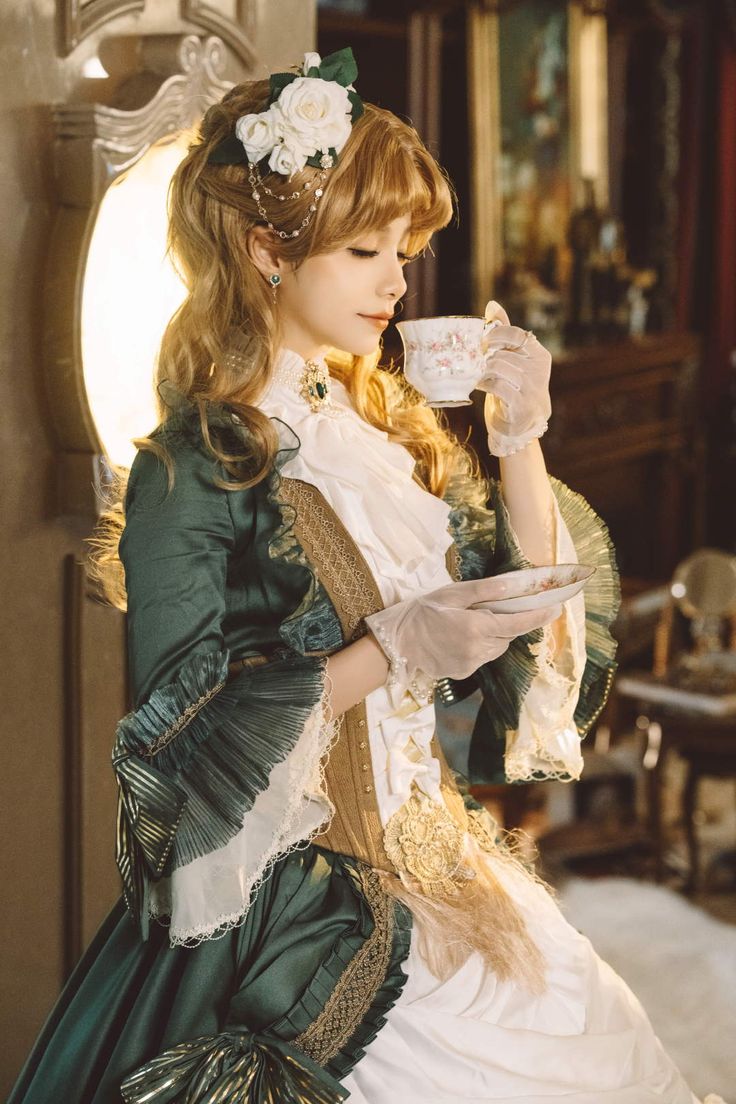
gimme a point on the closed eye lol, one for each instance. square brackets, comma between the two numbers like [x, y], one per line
[406, 258]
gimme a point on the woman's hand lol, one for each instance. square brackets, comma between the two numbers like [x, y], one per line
[517, 406]
[445, 633]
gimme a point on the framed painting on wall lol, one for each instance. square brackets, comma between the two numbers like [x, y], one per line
[538, 119]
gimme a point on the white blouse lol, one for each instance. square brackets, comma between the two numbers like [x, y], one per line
[402, 531]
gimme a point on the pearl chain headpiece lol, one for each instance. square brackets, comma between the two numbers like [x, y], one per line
[307, 122]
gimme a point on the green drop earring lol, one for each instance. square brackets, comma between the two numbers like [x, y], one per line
[274, 281]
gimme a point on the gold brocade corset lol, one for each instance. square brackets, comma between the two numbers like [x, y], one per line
[432, 856]
[356, 827]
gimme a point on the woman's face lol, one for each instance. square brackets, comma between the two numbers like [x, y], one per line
[329, 300]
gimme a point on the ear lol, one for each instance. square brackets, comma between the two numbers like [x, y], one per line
[262, 251]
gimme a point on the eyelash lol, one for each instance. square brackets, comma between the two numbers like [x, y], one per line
[374, 253]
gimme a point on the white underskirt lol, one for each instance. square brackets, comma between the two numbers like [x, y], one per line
[587, 1040]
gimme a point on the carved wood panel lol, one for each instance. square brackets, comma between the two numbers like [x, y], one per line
[624, 433]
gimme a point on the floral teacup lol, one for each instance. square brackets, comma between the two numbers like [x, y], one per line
[443, 357]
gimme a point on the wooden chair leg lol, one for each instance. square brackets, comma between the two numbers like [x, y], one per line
[652, 762]
[689, 805]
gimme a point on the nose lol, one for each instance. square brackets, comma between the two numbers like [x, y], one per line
[393, 283]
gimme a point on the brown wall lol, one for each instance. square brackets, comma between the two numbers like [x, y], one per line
[35, 802]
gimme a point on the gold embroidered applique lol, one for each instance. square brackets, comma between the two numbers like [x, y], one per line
[359, 982]
[424, 841]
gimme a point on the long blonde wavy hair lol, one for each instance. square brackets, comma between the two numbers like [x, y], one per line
[384, 172]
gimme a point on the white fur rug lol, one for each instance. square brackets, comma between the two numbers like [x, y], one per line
[680, 962]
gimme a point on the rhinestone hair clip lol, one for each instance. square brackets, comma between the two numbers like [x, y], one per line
[308, 120]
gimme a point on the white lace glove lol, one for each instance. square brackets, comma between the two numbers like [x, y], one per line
[518, 405]
[436, 635]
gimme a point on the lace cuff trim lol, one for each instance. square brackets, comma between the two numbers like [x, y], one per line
[407, 691]
[546, 743]
[501, 444]
[208, 897]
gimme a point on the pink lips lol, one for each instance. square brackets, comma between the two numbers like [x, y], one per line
[380, 320]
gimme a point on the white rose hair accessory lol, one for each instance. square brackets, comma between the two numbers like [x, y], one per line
[307, 121]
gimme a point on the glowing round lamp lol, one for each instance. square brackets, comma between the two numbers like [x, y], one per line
[130, 290]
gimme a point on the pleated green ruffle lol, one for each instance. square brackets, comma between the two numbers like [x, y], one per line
[594, 546]
[359, 974]
[302, 1055]
[191, 761]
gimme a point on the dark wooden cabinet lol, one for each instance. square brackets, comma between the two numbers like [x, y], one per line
[624, 433]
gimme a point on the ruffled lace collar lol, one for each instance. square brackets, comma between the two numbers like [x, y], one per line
[368, 479]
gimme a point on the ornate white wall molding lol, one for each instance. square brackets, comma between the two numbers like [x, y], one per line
[238, 31]
[78, 18]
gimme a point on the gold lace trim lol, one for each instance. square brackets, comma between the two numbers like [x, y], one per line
[359, 982]
[356, 827]
[472, 911]
[339, 562]
[452, 561]
[183, 720]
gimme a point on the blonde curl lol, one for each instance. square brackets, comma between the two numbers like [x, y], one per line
[384, 172]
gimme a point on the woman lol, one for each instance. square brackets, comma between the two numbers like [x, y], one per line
[302, 545]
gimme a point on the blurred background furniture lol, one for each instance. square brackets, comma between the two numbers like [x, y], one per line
[687, 701]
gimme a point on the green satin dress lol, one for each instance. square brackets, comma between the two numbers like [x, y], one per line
[244, 995]
[281, 1006]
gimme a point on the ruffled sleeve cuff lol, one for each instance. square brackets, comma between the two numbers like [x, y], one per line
[546, 691]
[602, 598]
[546, 743]
[218, 777]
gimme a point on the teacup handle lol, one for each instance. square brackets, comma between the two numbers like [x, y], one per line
[491, 324]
